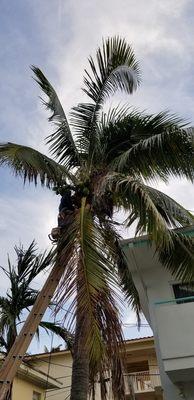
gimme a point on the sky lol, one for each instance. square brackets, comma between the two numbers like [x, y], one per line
[58, 36]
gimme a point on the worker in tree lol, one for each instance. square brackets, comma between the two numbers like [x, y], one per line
[65, 206]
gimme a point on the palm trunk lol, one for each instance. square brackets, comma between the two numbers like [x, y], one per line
[80, 371]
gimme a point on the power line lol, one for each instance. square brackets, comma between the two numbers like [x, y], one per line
[49, 362]
[136, 325]
[54, 394]
[64, 376]
[53, 390]
[60, 365]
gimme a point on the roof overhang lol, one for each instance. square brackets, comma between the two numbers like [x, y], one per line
[141, 241]
[38, 377]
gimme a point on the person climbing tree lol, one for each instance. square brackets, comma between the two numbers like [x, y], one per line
[66, 207]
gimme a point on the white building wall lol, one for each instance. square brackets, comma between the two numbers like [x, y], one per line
[153, 283]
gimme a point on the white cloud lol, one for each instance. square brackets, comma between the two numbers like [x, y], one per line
[58, 36]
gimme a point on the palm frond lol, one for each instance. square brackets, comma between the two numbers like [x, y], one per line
[61, 142]
[111, 237]
[29, 265]
[115, 69]
[180, 259]
[25, 259]
[112, 117]
[32, 165]
[87, 281]
[60, 331]
[3, 343]
[173, 213]
[132, 195]
[154, 146]
[41, 262]
[175, 250]
[130, 291]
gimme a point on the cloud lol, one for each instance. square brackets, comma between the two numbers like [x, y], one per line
[58, 36]
[27, 216]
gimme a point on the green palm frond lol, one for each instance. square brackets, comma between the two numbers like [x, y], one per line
[173, 213]
[153, 217]
[60, 331]
[3, 343]
[111, 237]
[20, 296]
[29, 264]
[133, 196]
[87, 279]
[25, 259]
[6, 314]
[61, 142]
[153, 146]
[96, 301]
[32, 165]
[115, 69]
[130, 291]
[112, 117]
[180, 258]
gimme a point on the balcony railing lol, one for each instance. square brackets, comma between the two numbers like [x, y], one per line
[144, 381]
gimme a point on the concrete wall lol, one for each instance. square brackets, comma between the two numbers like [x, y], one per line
[137, 351]
[59, 369]
[23, 390]
[154, 284]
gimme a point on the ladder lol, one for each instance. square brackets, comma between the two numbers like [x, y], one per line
[19, 348]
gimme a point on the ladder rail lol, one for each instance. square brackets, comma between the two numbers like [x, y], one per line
[23, 340]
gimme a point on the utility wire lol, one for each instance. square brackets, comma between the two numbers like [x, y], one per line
[51, 346]
[60, 365]
[54, 394]
[53, 390]
[49, 362]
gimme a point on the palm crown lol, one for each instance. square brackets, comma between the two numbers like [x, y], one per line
[108, 160]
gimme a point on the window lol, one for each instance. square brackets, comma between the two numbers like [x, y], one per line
[137, 366]
[183, 291]
[36, 396]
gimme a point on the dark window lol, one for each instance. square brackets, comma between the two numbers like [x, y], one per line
[183, 291]
[137, 367]
[36, 396]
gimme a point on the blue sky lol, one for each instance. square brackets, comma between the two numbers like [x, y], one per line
[58, 36]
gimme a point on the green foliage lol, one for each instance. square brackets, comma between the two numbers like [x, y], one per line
[61, 142]
[153, 146]
[31, 165]
[108, 160]
[21, 296]
[67, 336]
[115, 69]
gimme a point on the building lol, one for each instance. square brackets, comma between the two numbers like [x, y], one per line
[31, 383]
[168, 307]
[141, 374]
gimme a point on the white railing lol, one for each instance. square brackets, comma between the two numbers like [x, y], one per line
[143, 381]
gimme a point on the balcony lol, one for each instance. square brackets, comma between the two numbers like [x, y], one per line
[141, 382]
[175, 326]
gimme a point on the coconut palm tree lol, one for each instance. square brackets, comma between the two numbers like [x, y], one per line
[21, 296]
[107, 160]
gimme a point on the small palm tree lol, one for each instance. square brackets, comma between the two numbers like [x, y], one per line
[21, 296]
[107, 161]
